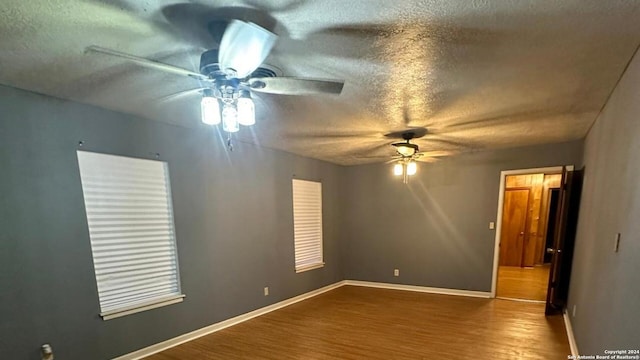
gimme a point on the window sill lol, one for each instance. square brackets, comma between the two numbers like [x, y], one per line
[112, 314]
[309, 267]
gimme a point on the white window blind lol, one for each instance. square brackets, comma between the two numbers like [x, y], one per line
[307, 224]
[130, 218]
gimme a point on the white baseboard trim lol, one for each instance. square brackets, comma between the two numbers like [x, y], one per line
[424, 289]
[572, 340]
[150, 350]
[522, 300]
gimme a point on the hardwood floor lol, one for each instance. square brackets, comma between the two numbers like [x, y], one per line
[367, 323]
[523, 283]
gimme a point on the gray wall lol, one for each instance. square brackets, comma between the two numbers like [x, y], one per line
[435, 229]
[233, 218]
[605, 286]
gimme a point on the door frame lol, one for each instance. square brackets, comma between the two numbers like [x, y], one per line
[498, 227]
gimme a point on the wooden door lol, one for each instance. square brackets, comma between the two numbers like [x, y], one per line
[514, 222]
[533, 219]
[547, 216]
[564, 239]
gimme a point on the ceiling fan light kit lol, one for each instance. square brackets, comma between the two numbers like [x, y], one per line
[237, 107]
[405, 167]
[230, 73]
[408, 154]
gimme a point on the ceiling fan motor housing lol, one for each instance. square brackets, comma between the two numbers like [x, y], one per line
[406, 149]
[408, 135]
[210, 67]
[209, 64]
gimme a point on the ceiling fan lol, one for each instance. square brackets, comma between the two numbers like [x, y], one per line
[407, 153]
[231, 73]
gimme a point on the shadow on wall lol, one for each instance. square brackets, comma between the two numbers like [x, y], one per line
[444, 227]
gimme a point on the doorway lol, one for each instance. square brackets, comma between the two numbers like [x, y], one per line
[528, 217]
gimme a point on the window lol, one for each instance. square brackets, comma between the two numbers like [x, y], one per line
[130, 218]
[307, 224]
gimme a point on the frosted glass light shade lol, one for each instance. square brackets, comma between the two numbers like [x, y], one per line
[397, 169]
[412, 168]
[210, 110]
[246, 111]
[230, 119]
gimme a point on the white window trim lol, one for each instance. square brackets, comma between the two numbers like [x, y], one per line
[309, 267]
[174, 299]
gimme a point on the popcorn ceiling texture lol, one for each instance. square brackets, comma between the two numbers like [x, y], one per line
[477, 74]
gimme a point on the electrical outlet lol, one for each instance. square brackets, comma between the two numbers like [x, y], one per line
[266, 291]
[616, 244]
[396, 272]
[573, 311]
[492, 225]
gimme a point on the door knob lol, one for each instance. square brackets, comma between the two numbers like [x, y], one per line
[521, 232]
[550, 251]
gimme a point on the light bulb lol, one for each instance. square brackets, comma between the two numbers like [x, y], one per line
[210, 110]
[246, 111]
[230, 119]
[412, 168]
[397, 169]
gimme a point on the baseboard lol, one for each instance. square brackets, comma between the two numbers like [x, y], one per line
[522, 300]
[572, 340]
[425, 289]
[150, 350]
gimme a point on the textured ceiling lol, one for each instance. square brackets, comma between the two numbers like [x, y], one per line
[478, 74]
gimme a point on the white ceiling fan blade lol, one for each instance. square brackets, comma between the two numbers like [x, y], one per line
[181, 94]
[244, 47]
[438, 153]
[426, 159]
[146, 62]
[295, 86]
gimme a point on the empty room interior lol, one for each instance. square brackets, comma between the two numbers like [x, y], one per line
[291, 179]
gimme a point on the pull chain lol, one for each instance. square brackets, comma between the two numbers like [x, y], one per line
[229, 143]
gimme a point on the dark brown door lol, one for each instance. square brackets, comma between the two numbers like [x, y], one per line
[514, 222]
[563, 242]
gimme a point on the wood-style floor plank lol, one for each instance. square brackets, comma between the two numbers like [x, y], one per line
[367, 323]
[523, 283]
